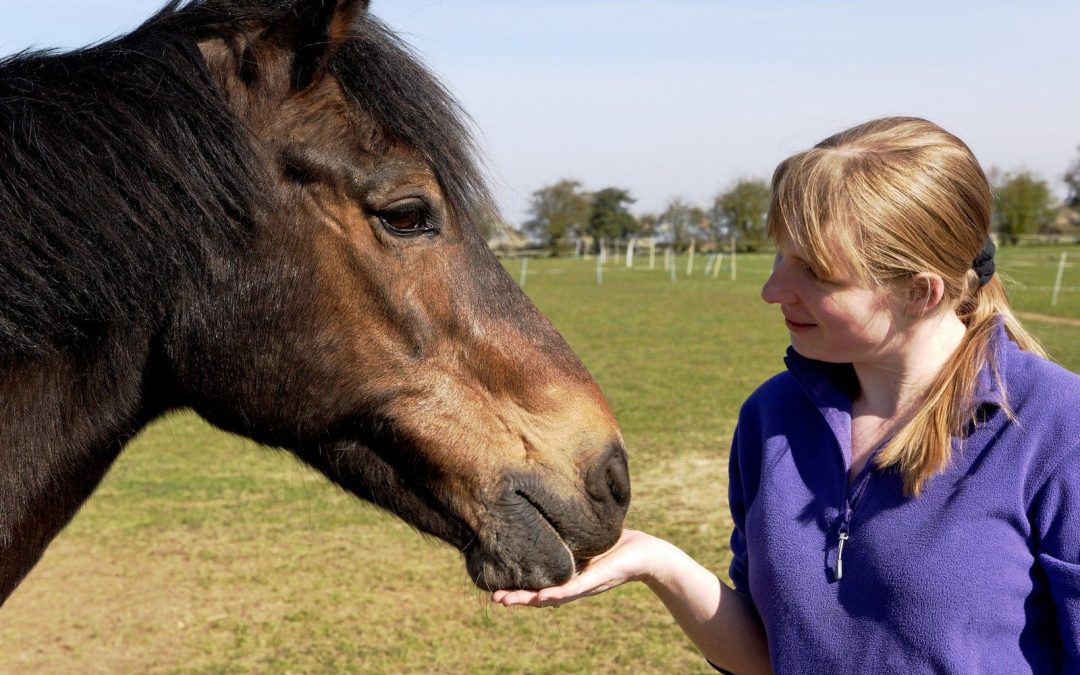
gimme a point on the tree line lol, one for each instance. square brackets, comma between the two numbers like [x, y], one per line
[564, 213]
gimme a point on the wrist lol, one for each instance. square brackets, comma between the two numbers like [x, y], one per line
[663, 560]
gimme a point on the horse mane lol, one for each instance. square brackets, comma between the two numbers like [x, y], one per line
[124, 174]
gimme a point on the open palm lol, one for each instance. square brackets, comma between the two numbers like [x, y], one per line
[628, 560]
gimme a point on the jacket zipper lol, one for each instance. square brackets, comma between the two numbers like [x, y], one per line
[840, 551]
[852, 497]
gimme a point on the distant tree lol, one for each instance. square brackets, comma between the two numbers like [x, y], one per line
[1023, 204]
[741, 209]
[647, 224]
[1072, 182]
[558, 211]
[611, 217]
[685, 221]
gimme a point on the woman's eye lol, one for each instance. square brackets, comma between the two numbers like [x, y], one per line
[408, 219]
[824, 281]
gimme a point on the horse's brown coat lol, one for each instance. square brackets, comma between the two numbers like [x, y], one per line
[405, 364]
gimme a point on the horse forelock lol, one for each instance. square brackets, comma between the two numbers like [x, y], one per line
[382, 75]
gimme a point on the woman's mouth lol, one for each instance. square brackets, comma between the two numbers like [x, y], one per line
[797, 327]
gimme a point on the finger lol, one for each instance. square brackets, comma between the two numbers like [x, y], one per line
[593, 580]
[511, 598]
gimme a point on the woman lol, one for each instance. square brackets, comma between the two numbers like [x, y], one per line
[906, 497]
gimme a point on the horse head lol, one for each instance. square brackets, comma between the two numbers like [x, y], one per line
[364, 324]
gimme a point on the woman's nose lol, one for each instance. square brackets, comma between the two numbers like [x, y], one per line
[776, 290]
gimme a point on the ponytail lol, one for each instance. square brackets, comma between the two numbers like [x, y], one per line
[923, 446]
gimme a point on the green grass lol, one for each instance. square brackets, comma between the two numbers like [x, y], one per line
[1029, 273]
[204, 553]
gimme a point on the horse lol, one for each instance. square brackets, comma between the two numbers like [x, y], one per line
[269, 212]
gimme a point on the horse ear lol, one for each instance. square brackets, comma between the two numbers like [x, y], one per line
[318, 28]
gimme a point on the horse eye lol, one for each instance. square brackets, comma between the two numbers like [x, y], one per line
[408, 219]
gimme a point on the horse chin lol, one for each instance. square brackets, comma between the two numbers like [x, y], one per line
[520, 554]
[492, 575]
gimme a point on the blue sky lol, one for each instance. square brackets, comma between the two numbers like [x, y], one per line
[680, 98]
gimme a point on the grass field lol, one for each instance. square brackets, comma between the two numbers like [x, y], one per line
[202, 552]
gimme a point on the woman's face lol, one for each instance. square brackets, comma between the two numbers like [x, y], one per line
[834, 320]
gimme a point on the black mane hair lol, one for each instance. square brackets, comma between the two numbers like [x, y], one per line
[124, 174]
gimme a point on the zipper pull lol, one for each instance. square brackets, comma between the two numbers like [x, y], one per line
[840, 555]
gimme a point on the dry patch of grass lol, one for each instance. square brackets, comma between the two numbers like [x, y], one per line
[276, 596]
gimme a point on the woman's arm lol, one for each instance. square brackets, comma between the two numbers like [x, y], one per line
[719, 621]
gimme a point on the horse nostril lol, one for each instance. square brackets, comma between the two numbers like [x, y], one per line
[608, 480]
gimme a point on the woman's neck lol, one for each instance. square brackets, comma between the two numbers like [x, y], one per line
[891, 386]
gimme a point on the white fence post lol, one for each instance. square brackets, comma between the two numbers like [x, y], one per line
[690, 259]
[733, 257]
[524, 270]
[1057, 280]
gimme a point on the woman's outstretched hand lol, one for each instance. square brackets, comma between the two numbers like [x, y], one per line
[632, 558]
[721, 622]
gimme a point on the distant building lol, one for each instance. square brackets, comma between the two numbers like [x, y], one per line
[506, 240]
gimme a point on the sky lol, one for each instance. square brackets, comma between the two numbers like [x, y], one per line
[683, 97]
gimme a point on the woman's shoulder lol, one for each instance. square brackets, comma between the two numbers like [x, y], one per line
[1044, 398]
[1040, 386]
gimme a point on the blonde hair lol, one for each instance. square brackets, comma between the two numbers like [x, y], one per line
[890, 199]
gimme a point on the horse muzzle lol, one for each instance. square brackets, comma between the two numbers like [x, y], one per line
[533, 535]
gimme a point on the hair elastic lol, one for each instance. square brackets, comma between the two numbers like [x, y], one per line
[984, 262]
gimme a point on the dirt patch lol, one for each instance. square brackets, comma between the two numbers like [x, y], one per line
[684, 499]
[1047, 318]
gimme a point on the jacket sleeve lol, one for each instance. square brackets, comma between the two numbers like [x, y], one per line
[1055, 515]
[739, 569]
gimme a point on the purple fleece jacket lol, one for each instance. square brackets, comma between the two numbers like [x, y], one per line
[979, 574]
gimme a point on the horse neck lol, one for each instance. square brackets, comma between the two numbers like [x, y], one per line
[64, 420]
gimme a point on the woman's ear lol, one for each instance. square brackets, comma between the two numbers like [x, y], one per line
[924, 294]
